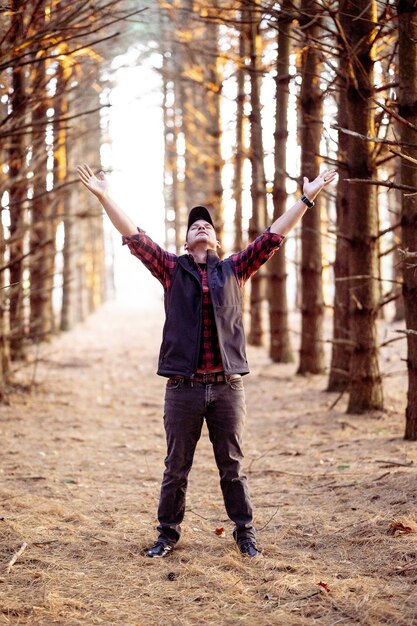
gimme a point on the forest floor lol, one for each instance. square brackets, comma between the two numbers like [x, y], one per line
[82, 447]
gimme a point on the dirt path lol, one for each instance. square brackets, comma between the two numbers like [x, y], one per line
[82, 460]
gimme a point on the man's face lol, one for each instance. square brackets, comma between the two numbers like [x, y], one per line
[201, 232]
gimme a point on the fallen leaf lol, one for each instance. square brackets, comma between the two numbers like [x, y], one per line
[324, 585]
[220, 532]
[397, 526]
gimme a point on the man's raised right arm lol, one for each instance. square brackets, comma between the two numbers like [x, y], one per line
[99, 186]
[159, 262]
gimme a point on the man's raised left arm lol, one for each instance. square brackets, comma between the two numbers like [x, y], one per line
[249, 260]
[290, 218]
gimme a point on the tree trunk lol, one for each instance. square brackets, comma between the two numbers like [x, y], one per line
[42, 236]
[341, 351]
[311, 109]
[200, 97]
[280, 346]
[68, 275]
[181, 209]
[84, 215]
[240, 147]
[4, 318]
[83, 267]
[66, 202]
[211, 93]
[4, 330]
[365, 379]
[177, 155]
[93, 249]
[397, 275]
[4, 304]
[17, 193]
[170, 105]
[258, 185]
[407, 101]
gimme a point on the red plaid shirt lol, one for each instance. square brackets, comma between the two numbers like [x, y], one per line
[161, 264]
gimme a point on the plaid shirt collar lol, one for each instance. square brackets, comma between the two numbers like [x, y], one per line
[212, 258]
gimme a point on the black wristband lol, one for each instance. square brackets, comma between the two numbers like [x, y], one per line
[307, 202]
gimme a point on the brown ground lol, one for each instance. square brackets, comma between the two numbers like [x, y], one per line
[334, 497]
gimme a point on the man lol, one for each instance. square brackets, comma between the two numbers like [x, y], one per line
[203, 352]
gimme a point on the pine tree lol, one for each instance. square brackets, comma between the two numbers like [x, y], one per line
[365, 379]
[311, 122]
[280, 346]
[407, 108]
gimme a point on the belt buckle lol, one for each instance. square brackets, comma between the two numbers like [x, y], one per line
[210, 377]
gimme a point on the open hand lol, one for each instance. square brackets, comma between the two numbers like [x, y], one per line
[311, 189]
[98, 185]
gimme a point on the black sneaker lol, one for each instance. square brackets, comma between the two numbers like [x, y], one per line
[159, 550]
[248, 548]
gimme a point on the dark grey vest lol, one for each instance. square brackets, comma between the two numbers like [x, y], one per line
[180, 347]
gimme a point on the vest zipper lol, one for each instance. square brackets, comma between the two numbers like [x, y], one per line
[215, 320]
[200, 319]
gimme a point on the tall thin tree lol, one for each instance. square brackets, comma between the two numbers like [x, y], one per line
[239, 154]
[311, 122]
[407, 63]
[17, 187]
[42, 243]
[342, 344]
[280, 345]
[359, 22]
[257, 223]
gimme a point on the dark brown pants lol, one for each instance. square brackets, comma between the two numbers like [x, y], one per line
[223, 407]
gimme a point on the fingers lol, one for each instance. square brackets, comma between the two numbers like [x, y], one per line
[328, 176]
[88, 169]
[85, 171]
[87, 176]
[83, 175]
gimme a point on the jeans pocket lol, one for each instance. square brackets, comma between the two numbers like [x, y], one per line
[175, 383]
[235, 383]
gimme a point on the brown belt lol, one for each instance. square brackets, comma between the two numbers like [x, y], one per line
[208, 379]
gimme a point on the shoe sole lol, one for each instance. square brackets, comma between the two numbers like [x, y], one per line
[258, 555]
[159, 556]
[255, 556]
